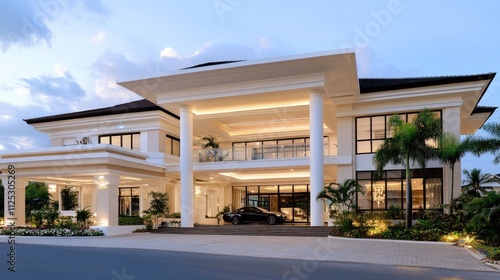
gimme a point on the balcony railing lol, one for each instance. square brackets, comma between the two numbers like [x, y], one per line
[255, 152]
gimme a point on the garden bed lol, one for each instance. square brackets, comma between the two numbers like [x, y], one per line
[26, 231]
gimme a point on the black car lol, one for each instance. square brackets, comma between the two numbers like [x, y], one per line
[252, 214]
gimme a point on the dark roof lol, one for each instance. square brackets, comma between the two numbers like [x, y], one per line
[211, 64]
[143, 105]
[367, 85]
[484, 109]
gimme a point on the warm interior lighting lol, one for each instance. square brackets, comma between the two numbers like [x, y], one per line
[257, 176]
[104, 223]
[242, 108]
[102, 183]
[52, 188]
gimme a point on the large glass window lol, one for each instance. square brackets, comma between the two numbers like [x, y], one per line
[293, 200]
[128, 140]
[172, 146]
[128, 201]
[391, 190]
[372, 131]
[280, 148]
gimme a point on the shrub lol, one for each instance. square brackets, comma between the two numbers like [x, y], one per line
[66, 222]
[69, 198]
[37, 217]
[485, 217]
[50, 216]
[83, 216]
[175, 215]
[130, 220]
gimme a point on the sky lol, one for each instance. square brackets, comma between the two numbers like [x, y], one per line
[61, 56]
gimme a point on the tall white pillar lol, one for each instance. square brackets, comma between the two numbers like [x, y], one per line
[186, 164]
[317, 156]
[107, 200]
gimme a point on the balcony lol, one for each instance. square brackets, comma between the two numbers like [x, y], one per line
[259, 152]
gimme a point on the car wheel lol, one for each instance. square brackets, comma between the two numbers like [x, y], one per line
[271, 220]
[235, 220]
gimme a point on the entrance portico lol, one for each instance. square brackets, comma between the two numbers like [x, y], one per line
[252, 101]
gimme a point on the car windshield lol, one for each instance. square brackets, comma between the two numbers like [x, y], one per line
[262, 209]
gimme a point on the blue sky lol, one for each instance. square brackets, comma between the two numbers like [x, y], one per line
[62, 56]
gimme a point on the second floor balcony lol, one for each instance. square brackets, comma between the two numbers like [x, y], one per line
[256, 152]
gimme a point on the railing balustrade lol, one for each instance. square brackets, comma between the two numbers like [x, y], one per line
[255, 152]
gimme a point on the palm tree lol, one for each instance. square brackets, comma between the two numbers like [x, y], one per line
[485, 212]
[474, 179]
[450, 151]
[212, 146]
[410, 144]
[490, 144]
[342, 196]
[210, 142]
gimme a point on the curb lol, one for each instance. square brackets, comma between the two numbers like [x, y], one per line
[394, 241]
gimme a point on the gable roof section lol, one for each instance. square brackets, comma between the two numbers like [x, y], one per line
[368, 85]
[142, 105]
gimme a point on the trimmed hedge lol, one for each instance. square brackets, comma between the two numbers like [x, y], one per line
[130, 220]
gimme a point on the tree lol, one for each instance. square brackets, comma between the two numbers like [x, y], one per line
[411, 143]
[485, 212]
[83, 216]
[489, 144]
[69, 198]
[37, 196]
[210, 142]
[212, 145]
[158, 207]
[341, 196]
[450, 151]
[474, 179]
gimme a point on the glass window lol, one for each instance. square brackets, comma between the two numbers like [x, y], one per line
[268, 189]
[394, 197]
[433, 192]
[372, 131]
[378, 194]
[299, 188]
[378, 127]
[136, 142]
[285, 148]
[362, 128]
[128, 201]
[364, 200]
[128, 140]
[239, 197]
[239, 152]
[381, 195]
[116, 140]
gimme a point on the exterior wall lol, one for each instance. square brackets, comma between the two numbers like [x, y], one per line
[451, 124]
[345, 144]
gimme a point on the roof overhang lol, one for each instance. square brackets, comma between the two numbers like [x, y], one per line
[233, 100]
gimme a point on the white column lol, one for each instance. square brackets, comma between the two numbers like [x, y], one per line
[17, 186]
[186, 164]
[317, 156]
[107, 200]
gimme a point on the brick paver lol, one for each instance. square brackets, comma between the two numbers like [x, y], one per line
[387, 252]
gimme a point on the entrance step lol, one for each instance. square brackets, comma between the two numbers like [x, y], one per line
[255, 230]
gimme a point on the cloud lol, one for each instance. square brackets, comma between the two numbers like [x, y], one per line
[63, 86]
[16, 134]
[99, 38]
[24, 23]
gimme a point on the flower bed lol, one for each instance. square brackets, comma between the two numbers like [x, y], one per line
[51, 232]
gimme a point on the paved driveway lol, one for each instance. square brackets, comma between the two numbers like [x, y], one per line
[388, 252]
